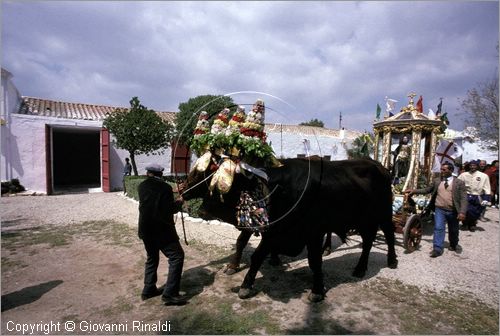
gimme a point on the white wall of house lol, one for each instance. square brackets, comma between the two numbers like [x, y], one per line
[9, 105]
[477, 151]
[10, 96]
[117, 163]
[24, 156]
[288, 145]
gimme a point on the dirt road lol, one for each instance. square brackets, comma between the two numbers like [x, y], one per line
[75, 260]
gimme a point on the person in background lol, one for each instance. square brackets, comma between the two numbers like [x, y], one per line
[158, 233]
[127, 171]
[450, 200]
[478, 194]
[466, 167]
[492, 173]
[482, 166]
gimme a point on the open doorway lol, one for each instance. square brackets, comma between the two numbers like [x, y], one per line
[76, 159]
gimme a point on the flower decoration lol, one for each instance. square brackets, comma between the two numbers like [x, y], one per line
[241, 137]
[220, 123]
[202, 125]
[236, 121]
[253, 127]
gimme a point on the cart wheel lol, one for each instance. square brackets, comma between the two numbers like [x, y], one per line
[412, 233]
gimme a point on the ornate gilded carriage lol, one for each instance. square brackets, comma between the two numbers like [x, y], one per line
[423, 132]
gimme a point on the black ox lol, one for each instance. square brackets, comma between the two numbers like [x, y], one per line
[308, 199]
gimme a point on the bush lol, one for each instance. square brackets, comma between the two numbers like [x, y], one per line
[13, 186]
[131, 185]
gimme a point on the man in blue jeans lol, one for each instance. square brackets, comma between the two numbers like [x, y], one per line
[450, 200]
[157, 231]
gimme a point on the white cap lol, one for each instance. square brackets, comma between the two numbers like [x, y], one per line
[154, 167]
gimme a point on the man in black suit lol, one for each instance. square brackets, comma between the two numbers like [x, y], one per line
[157, 231]
[450, 200]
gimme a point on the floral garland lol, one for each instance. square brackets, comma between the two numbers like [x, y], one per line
[239, 137]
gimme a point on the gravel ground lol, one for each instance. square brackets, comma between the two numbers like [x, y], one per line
[474, 270]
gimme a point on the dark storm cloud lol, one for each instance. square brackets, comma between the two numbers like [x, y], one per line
[320, 57]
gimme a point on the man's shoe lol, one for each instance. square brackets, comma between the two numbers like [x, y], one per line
[464, 227]
[435, 254]
[174, 300]
[472, 228]
[145, 296]
[452, 248]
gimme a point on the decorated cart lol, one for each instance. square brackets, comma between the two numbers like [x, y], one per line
[405, 144]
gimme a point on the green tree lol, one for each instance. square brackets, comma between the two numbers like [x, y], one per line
[481, 108]
[362, 147]
[139, 130]
[187, 117]
[313, 122]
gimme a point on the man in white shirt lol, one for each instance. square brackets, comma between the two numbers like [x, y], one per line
[478, 194]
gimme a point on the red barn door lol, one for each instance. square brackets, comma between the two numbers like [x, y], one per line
[180, 159]
[105, 159]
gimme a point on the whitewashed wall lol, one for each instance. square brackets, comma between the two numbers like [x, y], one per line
[288, 145]
[23, 151]
[24, 155]
[117, 162]
[10, 104]
[475, 151]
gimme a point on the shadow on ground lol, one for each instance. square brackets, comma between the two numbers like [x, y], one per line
[28, 294]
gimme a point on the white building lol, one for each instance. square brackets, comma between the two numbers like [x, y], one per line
[52, 146]
[473, 147]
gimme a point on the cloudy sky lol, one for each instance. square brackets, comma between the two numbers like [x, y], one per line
[305, 59]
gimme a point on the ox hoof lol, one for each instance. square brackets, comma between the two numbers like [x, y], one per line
[313, 297]
[244, 293]
[392, 263]
[326, 252]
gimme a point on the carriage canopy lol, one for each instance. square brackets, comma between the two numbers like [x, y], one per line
[405, 144]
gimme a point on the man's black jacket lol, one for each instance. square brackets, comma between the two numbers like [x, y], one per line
[156, 210]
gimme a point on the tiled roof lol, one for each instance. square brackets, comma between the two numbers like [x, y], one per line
[58, 109]
[66, 110]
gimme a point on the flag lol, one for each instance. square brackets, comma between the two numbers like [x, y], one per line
[378, 111]
[431, 114]
[438, 112]
[420, 107]
[389, 105]
[446, 151]
[444, 118]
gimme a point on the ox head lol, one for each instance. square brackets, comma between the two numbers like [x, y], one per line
[217, 203]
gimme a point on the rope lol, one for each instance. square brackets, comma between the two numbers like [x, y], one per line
[197, 184]
[218, 234]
